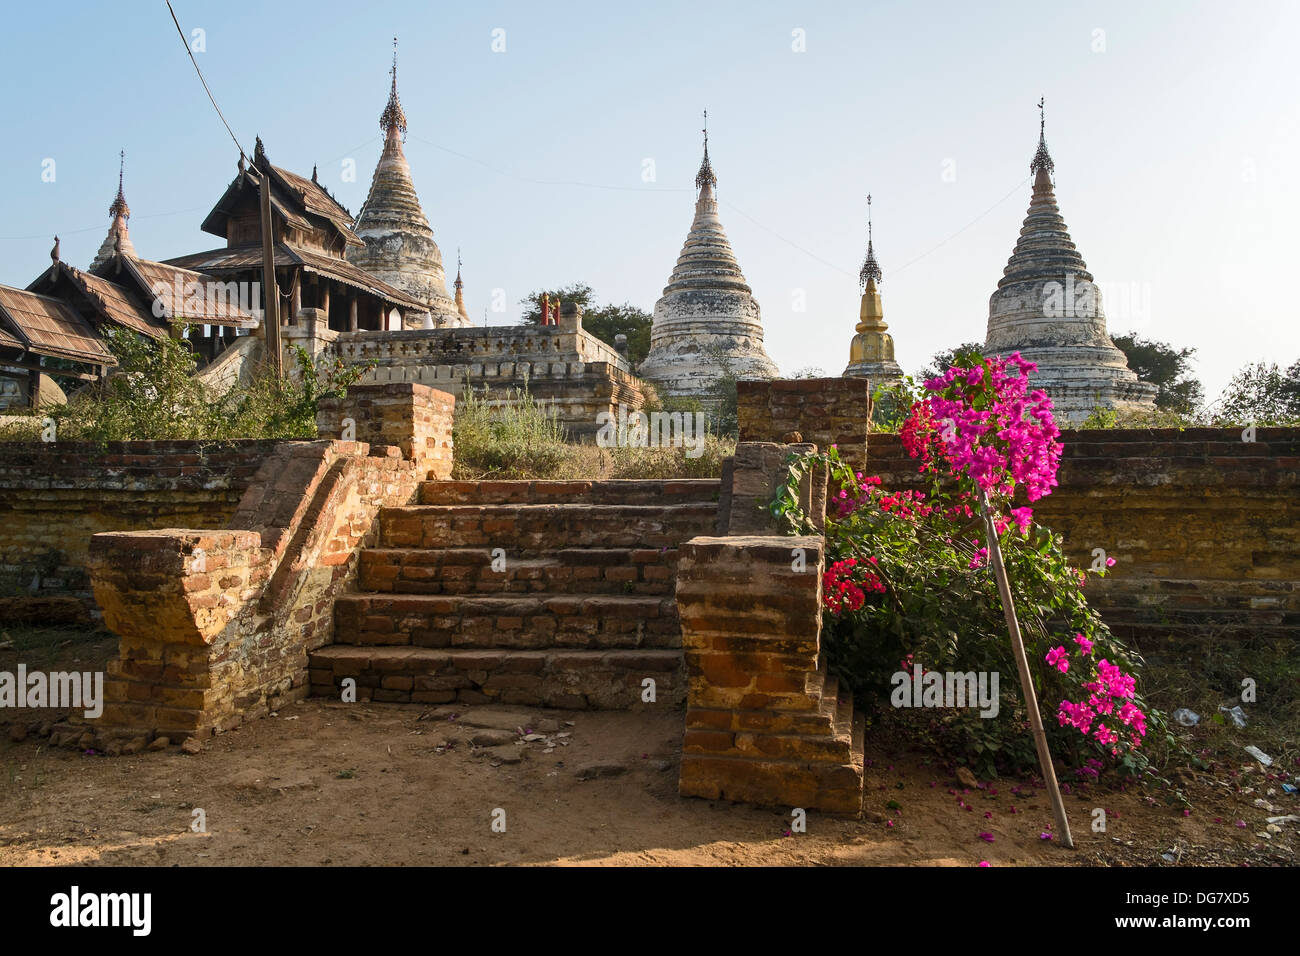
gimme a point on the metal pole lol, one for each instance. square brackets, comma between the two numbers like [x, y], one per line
[270, 290]
[1022, 665]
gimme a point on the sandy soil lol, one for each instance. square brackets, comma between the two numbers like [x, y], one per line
[326, 783]
[329, 783]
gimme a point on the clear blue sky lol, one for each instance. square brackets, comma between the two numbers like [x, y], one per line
[1174, 131]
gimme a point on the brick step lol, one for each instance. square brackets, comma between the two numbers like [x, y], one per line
[577, 680]
[612, 491]
[1205, 617]
[470, 571]
[519, 622]
[528, 530]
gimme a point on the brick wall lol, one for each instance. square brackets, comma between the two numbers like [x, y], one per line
[414, 417]
[216, 626]
[55, 496]
[764, 723]
[824, 411]
[1205, 528]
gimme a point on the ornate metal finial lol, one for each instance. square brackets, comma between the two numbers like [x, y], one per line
[54, 253]
[1042, 159]
[870, 267]
[119, 207]
[458, 283]
[313, 174]
[259, 152]
[392, 117]
[240, 164]
[705, 176]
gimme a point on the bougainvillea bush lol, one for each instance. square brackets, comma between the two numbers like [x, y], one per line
[908, 581]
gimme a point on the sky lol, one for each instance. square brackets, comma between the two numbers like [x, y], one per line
[558, 143]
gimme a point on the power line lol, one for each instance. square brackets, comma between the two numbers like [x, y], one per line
[190, 53]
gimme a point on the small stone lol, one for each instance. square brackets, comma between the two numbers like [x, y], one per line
[17, 733]
[192, 745]
[135, 746]
[45, 729]
[662, 765]
[530, 738]
[508, 756]
[493, 738]
[86, 741]
[598, 770]
[548, 725]
[966, 778]
[159, 743]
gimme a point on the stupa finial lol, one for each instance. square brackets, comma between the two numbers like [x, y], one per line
[705, 176]
[119, 207]
[870, 267]
[1042, 158]
[393, 118]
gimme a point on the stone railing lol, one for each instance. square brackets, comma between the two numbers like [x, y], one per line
[463, 347]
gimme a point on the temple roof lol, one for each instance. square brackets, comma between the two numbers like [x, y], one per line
[179, 294]
[302, 202]
[47, 326]
[246, 256]
[111, 302]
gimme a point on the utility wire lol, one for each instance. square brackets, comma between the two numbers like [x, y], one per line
[190, 53]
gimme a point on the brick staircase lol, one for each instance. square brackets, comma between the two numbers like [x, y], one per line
[574, 610]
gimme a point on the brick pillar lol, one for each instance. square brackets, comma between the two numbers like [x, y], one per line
[764, 723]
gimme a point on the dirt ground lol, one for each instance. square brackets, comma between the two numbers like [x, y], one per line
[326, 783]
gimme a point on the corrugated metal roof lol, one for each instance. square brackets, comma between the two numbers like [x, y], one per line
[117, 303]
[249, 256]
[186, 294]
[49, 327]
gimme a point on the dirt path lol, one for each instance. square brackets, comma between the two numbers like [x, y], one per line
[326, 783]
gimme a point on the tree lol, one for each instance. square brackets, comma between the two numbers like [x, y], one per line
[604, 322]
[1167, 368]
[940, 362]
[1261, 393]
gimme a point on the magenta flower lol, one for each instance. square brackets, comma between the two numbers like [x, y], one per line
[1058, 658]
[986, 837]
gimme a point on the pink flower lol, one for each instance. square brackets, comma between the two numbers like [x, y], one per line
[1044, 835]
[1110, 562]
[986, 837]
[984, 862]
[1085, 645]
[1058, 658]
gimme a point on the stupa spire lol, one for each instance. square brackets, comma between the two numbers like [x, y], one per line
[1048, 308]
[1042, 158]
[399, 243]
[460, 290]
[870, 267]
[871, 353]
[705, 177]
[118, 239]
[393, 118]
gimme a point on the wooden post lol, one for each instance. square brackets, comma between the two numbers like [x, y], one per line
[324, 298]
[270, 290]
[1026, 679]
[352, 313]
[297, 297]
